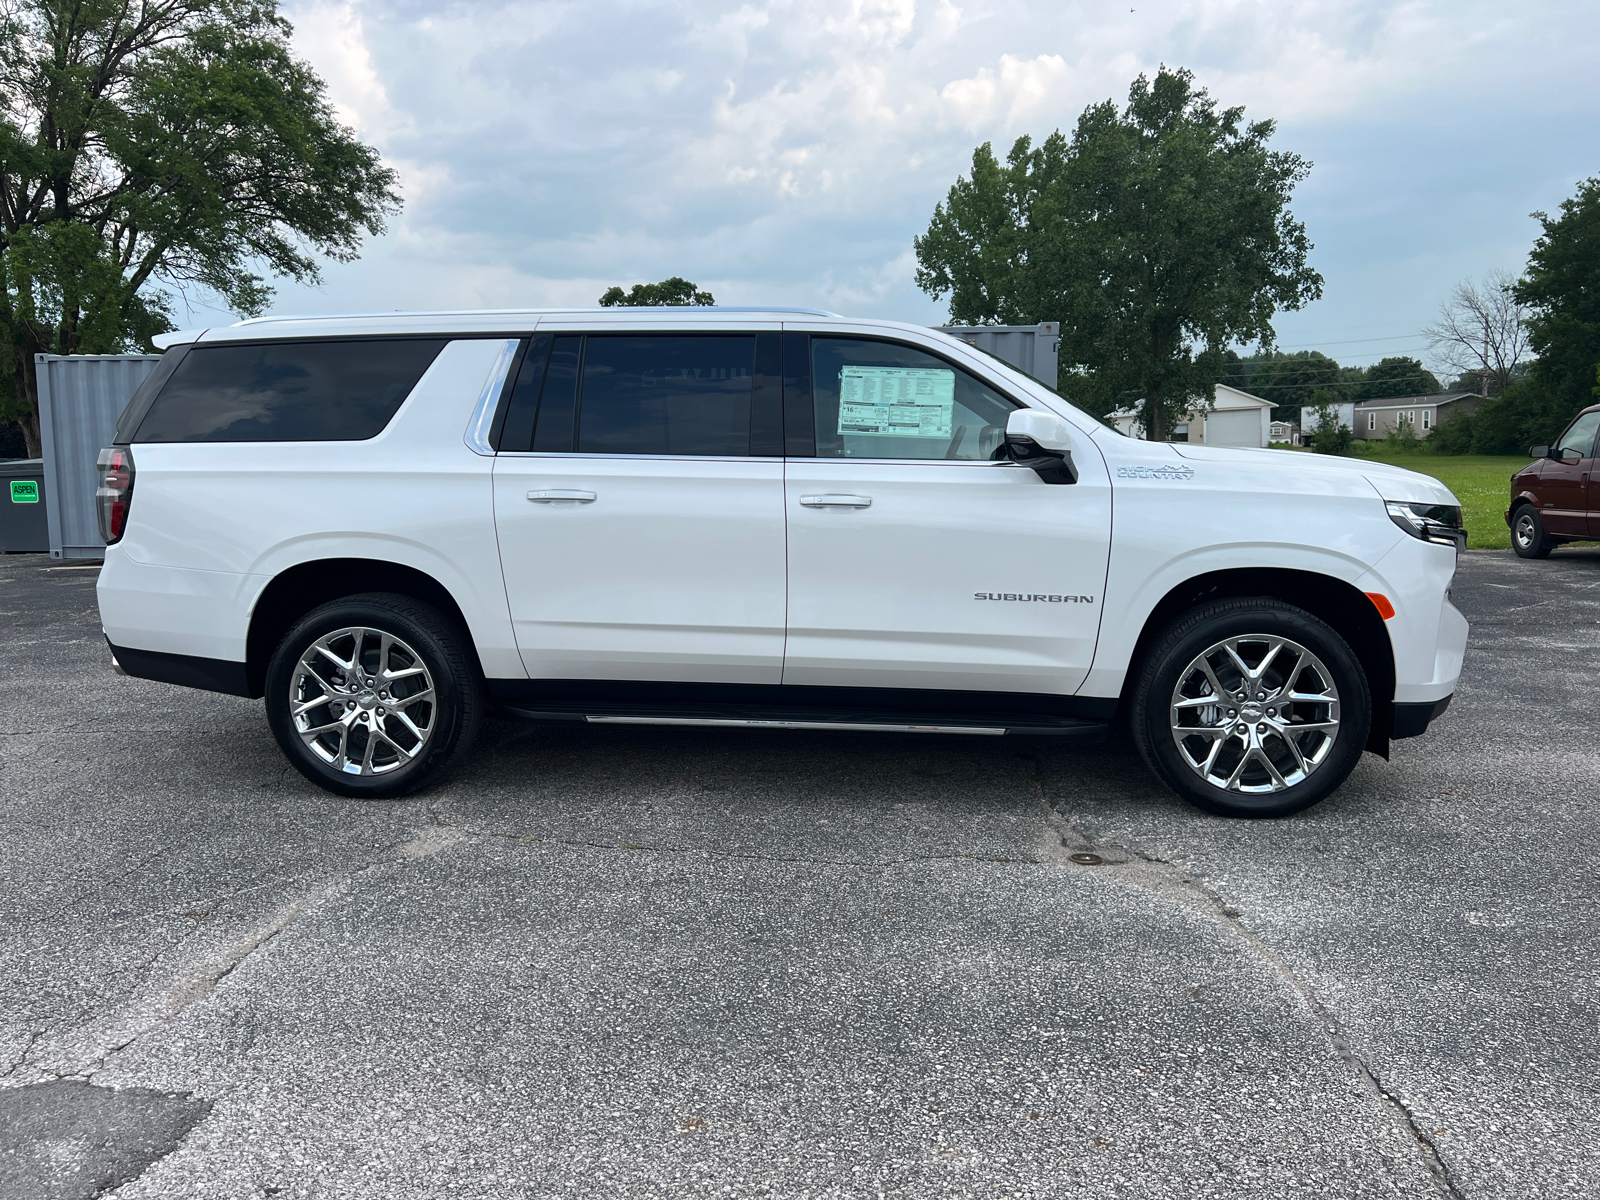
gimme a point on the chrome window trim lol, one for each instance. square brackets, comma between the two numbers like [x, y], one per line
[758, 458]
[911, 462]
[573, 454]
[482, 421]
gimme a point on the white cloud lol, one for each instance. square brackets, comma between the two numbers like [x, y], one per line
[331, 38]
[1019, 90]
[790, 149]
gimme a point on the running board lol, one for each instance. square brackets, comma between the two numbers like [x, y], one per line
[760, 723]
[843, 719]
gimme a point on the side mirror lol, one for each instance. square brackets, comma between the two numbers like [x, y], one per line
[1042, 442]
[1538, 451]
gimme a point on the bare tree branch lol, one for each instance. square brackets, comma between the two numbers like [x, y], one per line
[1481, 331]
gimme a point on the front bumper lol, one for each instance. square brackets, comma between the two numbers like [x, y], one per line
[1412, 720]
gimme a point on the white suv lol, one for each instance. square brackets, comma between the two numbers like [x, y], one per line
[391, 525]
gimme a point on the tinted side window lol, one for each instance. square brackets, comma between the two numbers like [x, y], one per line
[554, 430]
[665, 395]
[882, 400]
[1579, 440]
[314, 391]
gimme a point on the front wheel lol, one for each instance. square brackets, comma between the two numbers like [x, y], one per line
[374, 695]
[1527, 533]
[1251, 708]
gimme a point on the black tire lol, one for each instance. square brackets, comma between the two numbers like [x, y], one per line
[448, 719]
[1527, 533]
[1257, 621]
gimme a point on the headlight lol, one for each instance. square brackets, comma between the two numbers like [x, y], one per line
[1429, 522]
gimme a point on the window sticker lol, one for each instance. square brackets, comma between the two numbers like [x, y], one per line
[896, 401]
[24, 491]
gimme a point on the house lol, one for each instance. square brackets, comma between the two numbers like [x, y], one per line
[1236, 419]
[1344, 414]
[1374, 419]
[1284, 431]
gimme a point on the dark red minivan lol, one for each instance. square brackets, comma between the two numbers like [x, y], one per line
[1556, 498]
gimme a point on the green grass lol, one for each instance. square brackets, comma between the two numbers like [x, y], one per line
[1481, 482]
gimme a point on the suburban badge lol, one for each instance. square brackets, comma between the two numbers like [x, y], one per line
[1028, 597]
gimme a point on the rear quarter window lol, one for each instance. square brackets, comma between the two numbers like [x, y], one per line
[315, 391]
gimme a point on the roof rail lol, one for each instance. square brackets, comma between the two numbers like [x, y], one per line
[467, 312]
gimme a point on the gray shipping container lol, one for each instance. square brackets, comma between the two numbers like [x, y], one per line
[1031, 349]
[80, 398]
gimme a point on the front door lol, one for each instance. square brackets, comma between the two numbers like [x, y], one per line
[639, 536]
[918, 561]
[1564, 487]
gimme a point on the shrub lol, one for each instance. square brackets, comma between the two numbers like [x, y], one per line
[1335, 440]
[1402, 439]
[1453, 435]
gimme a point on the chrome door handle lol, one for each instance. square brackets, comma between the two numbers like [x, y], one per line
[836, 501]
[561, 496]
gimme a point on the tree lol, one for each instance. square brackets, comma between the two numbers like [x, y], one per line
[1159, 236]
[154, 145]
[1391, 377]
[1561, 291]
[669, 293]
[1289, 380]
[1331, 436]
[1480, 331]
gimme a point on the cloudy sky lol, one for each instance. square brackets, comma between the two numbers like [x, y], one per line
[786, 152]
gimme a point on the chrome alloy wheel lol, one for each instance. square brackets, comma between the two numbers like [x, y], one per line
[1526, 529]
[362, 701]
[1255, 714]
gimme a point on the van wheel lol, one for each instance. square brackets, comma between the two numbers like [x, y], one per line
[1527, 533]
[1251, 708]
[374, 695]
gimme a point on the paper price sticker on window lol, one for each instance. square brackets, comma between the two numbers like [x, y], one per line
[896, 401]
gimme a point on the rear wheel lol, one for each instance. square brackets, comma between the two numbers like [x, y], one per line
[1251, 708]
[373, 695]
[1527, 533]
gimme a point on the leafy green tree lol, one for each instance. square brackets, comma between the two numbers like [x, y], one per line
[1332, 436]
[1289, 380]
[1157, 237]
[1561, 289]
[1391, 377]
[1531, 411]
[11, 443]
[669, 293]
[153, 146]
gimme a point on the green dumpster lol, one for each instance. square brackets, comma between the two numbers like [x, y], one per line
[22, 507]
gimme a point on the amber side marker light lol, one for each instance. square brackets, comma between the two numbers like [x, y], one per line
[1381, 603]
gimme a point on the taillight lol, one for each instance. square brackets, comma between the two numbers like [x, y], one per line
[115, 492]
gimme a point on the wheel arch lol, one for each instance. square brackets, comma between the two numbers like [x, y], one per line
[1325, 597]
[296, 590]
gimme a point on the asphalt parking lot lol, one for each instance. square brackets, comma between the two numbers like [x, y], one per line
[631, 962]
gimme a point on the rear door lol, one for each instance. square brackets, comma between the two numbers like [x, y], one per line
[1564, 486]
[916, 560]
[638, 499]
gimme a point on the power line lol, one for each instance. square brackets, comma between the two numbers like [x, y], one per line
[1400, 337]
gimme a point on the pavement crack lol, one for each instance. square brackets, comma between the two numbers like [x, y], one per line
[1171, 882]
[22, 1058]
[207, 977]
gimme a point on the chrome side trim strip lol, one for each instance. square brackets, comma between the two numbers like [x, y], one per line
[478, 428]
[851, 726]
